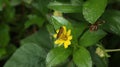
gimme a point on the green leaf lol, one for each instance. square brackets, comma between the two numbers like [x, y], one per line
[82, 58]
[33, 51]
[60, 21]
[112, 18]
[50, 29]
[1, 5]
[28, 1]
[65, 7]
[34, 19]
[28, 55]
[41, 5]
[93, 9]
[78, 28]
[15, 2]
[91, 37]
[57, 56]
[2, 52]
[41, 38]
[76, 16]
[71, 64]
[9, 13]
[80, 2]
[4, 35]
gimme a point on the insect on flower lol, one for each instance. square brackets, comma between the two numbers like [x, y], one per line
[63, 37]
[60, 32]
[94, 26]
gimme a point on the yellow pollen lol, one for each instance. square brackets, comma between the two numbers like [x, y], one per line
[64, 37]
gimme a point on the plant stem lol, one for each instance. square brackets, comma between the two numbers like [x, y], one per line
[112, 50]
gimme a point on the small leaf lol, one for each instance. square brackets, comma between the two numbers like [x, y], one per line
[93, 9]
[112, 19]
[57, 56]
[4, 35]
[65, 7]
[91, 37]
[60, 21]
[82, 58]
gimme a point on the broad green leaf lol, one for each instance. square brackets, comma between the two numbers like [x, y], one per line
[4, 35]
[28, 55]
[76, 16]
[65, 7]
[33, 51]
[91, 37]
[60, 21]
[112, 19]
[78, 28]
[82, 58]
[57, 56]
[93, 9]
[41, 38]
[34, 19]
[80, 2]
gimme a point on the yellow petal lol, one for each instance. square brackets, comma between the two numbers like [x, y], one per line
[69, 37]
[66, 43]
[64, 29]
[55, 35]
[69, 32]
[57, 41]
[61, 43]
[57, 31]
[65, 46]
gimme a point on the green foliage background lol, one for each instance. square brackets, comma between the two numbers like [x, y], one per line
[27, 27]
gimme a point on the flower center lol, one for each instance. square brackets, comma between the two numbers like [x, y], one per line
[64, 37]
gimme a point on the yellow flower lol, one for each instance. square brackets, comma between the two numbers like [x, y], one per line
[63, 37]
